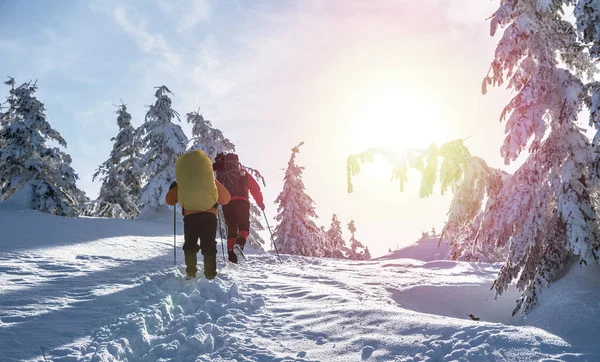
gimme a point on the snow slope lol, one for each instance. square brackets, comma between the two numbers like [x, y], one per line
[426, 249]
[106, 290]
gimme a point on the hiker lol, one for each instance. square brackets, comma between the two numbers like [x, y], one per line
[237, 212]
[199, 194]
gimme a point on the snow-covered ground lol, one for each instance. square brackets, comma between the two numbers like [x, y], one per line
[106, 290]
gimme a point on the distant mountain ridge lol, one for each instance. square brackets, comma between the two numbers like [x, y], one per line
[425, 249]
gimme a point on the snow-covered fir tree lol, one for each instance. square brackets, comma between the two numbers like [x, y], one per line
[546, 213]
[38, 175]
[127, 149]
[207, 138]
[367, 253]
[336, 245]
[163, 142]
[121, 173]
[356, 251]
[114, 200]
[4, 120]
[297, 232]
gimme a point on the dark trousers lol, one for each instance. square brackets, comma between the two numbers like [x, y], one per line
[203, 227]
[237, 218]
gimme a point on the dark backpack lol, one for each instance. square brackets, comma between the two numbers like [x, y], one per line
[230, 174]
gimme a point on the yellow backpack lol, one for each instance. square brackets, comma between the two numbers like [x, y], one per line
[196, 189]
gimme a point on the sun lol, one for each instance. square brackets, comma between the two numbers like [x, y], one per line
[398, 118]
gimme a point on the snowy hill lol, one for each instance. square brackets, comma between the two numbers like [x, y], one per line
[106, 290]
[425, 249]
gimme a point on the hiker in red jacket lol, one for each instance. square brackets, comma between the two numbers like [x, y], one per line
[239, 183]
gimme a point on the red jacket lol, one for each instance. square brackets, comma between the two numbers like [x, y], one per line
[254, 189]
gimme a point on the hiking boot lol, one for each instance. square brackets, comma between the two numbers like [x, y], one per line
[232, 257]
[241, 241]
[190, 276]
[210, 265]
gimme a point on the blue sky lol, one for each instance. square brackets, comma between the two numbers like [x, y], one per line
[339, 75]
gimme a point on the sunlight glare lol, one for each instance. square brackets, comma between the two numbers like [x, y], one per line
[398, 118]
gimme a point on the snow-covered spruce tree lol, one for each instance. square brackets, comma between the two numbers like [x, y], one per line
[163, 142]
[546, 209]
[127, 149]
[4, 116]
[356, 251]
[121, 173]
[207, 138]
[296, 232]
[42, 176]
[4, 121]
[336, 245]
[367, 253]
[114, 200]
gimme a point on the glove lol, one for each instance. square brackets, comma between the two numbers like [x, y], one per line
[173, 185]
[262, 206]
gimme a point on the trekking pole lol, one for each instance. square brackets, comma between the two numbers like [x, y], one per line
[221, 235]
[175, 235]
[270, 232]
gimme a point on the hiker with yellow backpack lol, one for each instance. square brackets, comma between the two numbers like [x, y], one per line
[199, 194]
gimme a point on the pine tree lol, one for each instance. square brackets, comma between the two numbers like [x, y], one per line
[336, 245]
[546, 210]
[206, 138]
[114, 200]
[163, 141]
[42, 176]
[4, 122]
[127, 150]
[367, 253]
[121, 173]
[356, 251]
[296, 232]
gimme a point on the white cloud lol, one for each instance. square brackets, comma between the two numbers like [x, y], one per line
[163, 63]
[146, 41]
[208, 70]
[189, 12]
